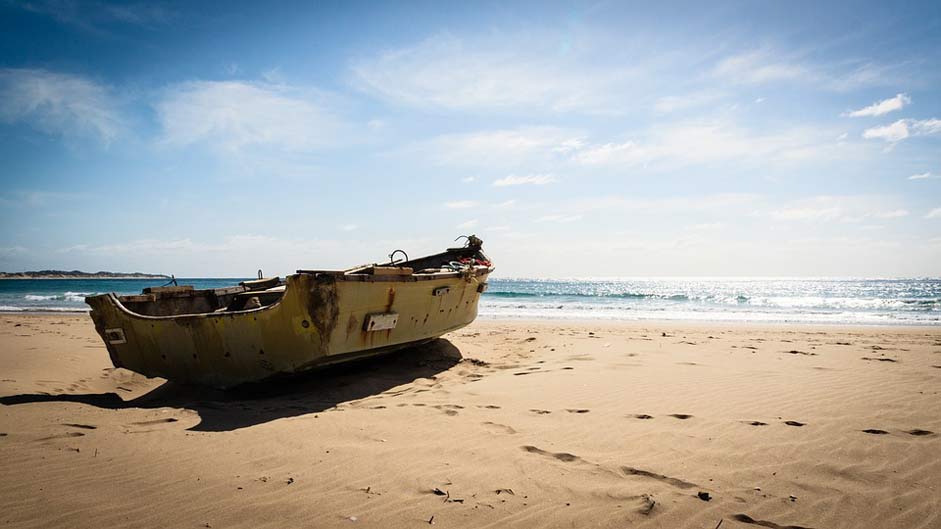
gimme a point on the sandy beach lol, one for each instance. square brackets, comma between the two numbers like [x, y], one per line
[501, 424]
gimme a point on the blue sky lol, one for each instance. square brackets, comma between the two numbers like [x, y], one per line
[577, 139]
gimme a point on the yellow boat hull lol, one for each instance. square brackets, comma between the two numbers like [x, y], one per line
[322, 318]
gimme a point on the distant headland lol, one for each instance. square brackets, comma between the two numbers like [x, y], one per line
[78, 274]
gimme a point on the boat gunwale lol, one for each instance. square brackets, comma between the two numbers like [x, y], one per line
[339, 275]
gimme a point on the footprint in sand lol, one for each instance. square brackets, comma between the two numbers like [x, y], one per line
[157, 421]
[755, 423]
[62, 436]
[678, 483]
[561, 456]
[502, 428]
[82, 426]
[875, 431]
[744, 518]
[489, 407]
[541, 412]
[919, 432]
[794, 423]
[577, 410]
[681, 416]
[641, 416]
[871, 359]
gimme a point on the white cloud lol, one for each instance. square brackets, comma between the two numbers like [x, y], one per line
[702, 142]
[348, 227]
[669, 104]
[882, 107]
[498, 148]
[59, 104]
[925, 176]
[496, 72]
[895, 132]
[839, 208]
[756, 67]
[468, 224]
[92, 16]
[461, 204]
[559, 218]
[614, 153]
[934, 214]
[232, 115]
[506, 204]
[468, 179]
[714, 203]
[533, 179]
[891, 214]
[904, 128]
[767, 66]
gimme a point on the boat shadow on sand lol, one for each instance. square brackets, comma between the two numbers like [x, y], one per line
[249, 405]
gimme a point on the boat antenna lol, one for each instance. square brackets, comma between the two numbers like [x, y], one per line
[392, 256]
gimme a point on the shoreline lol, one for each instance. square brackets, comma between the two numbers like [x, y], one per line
[82, 278]
[599, 323]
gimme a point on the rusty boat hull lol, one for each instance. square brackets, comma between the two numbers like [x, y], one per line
[227, 337]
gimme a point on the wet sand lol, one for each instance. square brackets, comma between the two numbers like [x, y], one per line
[501, 424]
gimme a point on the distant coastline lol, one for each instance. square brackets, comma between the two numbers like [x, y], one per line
[77, 274]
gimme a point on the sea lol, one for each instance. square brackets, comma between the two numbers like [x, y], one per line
[764, 300]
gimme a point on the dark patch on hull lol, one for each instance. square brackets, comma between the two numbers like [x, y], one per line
[324, 308]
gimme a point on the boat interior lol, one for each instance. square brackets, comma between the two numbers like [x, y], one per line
[176, 300]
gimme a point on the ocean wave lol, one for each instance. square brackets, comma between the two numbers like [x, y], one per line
[77, 297]
[34, 308]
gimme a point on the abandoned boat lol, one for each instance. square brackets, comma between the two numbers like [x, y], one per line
[259, 329]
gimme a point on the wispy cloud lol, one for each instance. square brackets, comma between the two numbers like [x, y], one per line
[559, 218]
[701, 142]
[846, 208]
[348, 227]
[925, 176]
[460, 204]
[766, 66]
[934, 214]
[93, 17]
[40, 199]
[498, 148]
[882, 107]
[496, 72]
[760, 66]
[468, 224]
[59, 104]
[904, 128]
[532, 179]
[232, 115]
